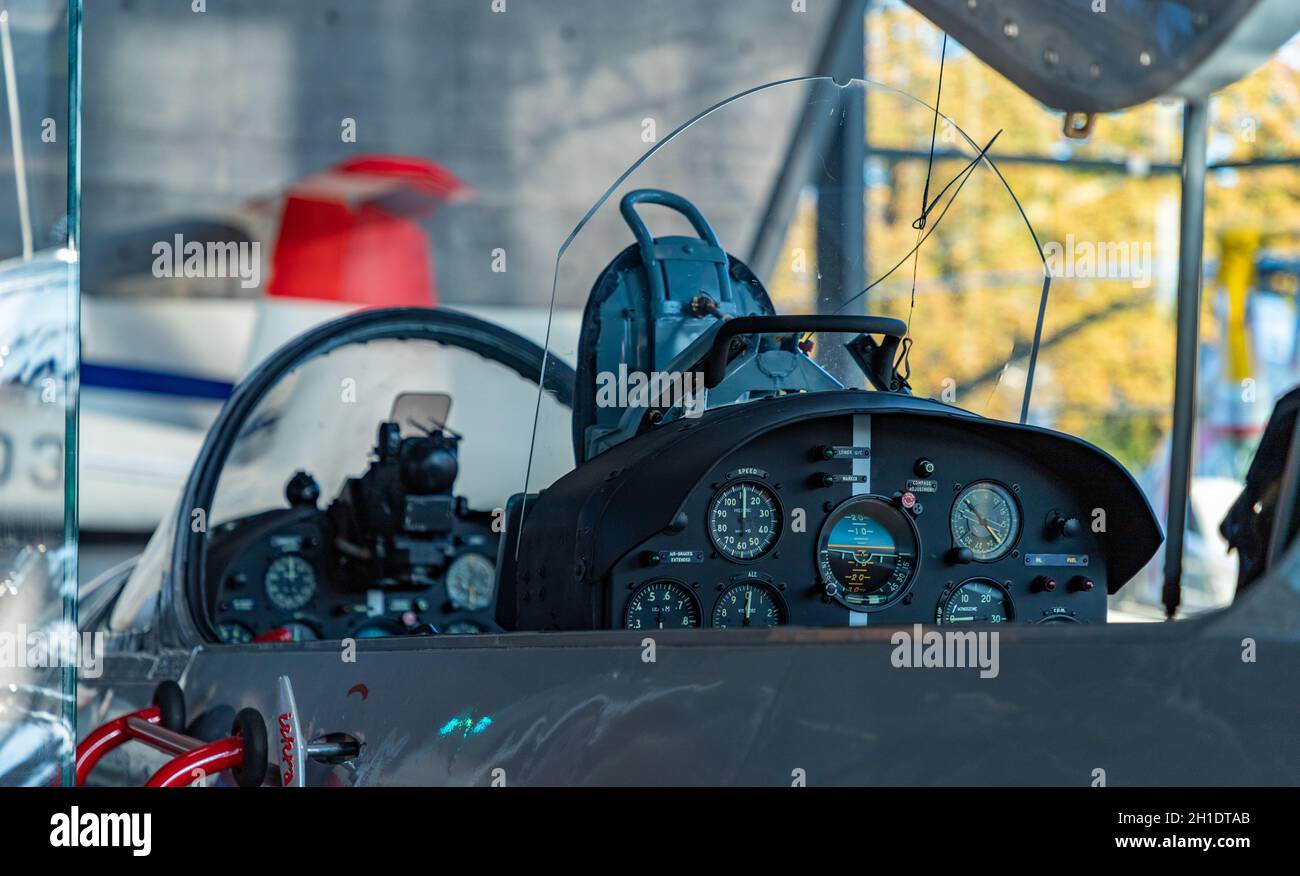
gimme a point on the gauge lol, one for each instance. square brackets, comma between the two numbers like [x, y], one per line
[744, 520]
[749, 604]
[1058, 617]
[471, 582]
[978, 600]
[986, 519]
[290, 582]
[301, 632]
[661, 605]
[867, 553]
[462, 628]
[234, 634]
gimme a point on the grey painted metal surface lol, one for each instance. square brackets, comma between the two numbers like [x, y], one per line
[1090, 56]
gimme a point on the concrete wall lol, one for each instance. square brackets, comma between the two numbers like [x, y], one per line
[195, 114]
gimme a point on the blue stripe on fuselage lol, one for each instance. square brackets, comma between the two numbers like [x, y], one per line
[143, 380]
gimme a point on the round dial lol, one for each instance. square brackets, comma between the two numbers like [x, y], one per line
[471, 582]
[290, 582]
[867, 553]
[462, 628]
[661, 605]
[749, 604]
[986, 519]
[744, 520]
[234, 634]
[979, 600]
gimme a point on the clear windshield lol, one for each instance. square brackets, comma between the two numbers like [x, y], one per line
[812, 225]
[323, 418]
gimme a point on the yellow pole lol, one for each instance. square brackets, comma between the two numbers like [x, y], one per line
[1238, 247]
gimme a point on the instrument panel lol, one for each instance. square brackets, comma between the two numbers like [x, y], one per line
[283, 577]
[872, 519]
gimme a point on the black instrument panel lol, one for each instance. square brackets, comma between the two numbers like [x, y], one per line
[283, 576]
[872, 519]
[396, 551]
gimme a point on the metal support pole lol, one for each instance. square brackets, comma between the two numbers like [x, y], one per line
[1191, 233]
[844, 39]
[841, 206]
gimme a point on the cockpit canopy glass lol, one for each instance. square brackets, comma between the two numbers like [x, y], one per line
[323, 418]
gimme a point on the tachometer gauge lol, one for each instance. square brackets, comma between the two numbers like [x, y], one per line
[234, 634]
[749, 604]
[661, 605]
[978, 600]
[986, 519]
[867, 553]
[471, 582]
[290, 582]
[744, 520]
